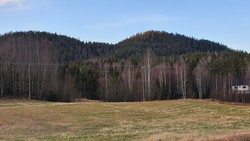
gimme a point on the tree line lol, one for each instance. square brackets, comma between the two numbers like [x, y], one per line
[58, 68]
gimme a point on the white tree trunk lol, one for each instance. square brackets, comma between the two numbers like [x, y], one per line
[106, 82]
[29, 75]
[129, 79]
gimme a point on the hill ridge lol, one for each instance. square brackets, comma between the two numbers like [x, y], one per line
[70, 49]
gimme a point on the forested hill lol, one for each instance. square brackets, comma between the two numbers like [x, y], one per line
[149, 66]
[70, 49]
[165, 44]
[67, 49]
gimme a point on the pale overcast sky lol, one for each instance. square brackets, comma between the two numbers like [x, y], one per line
[224, 21]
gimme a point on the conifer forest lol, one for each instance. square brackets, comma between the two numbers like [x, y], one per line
[147, 66]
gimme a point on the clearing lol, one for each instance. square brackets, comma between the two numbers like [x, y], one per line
[160, 120]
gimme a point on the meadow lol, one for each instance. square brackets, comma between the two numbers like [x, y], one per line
[158, 120]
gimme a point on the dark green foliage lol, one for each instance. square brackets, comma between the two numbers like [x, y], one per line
[86, 80]
[165, 44]
[235, 62]
[161, 43]
[67, 49]
[54, 97]
[118, 72]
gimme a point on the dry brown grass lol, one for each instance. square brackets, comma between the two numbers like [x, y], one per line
[185, 120]
[237, 137]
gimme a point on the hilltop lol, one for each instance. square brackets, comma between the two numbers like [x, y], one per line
[166, 44]
[70, 49]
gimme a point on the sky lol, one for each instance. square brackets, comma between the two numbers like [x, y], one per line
[223, 21]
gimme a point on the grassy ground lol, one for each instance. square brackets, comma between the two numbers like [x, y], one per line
[164, 120]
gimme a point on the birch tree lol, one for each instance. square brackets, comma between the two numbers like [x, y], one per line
[148, 60]
[181, 77]
[201, 76]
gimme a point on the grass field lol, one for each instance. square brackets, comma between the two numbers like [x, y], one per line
[164, 120]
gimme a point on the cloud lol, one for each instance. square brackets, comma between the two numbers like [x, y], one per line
[11, 2]
[7, 6]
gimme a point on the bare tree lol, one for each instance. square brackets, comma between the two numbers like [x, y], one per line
[24, 66]
[181, 77]
[128, 76]
[201, 75]
[148, 60]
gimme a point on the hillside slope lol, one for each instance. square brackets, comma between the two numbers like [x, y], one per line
[45, 66]
[69, 49]
[165, 44]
